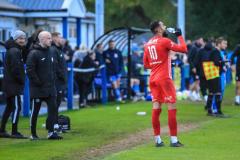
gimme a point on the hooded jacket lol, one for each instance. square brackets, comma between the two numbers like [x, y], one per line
[41, 71]
[61, 68]
[14, 74]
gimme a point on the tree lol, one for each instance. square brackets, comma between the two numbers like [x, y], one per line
[213, 18]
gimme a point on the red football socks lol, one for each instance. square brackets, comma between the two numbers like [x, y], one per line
[172, 122]
[155, 121]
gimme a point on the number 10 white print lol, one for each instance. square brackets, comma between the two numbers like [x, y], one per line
[153, 52]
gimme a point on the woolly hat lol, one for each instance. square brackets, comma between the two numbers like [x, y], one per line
[17, 34]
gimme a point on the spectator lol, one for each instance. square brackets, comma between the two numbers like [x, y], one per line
[79, 55]
[85, 79]
[14, 78]
[202, 56]
[30, 42]
[99, 54]
[61, 71]
[199, 43]
[114, 63]
[67, 50]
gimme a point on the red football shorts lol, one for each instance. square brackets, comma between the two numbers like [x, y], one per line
[163, 91]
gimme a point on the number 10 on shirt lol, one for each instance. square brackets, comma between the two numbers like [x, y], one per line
[153, 52]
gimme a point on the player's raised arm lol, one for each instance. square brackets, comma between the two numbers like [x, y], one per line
[181, 47]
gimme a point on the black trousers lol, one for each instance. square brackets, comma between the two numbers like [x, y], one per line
[203, 86]
[83, 89]
[214, 87]
[52, 113]
[60, 95]
[13, 107]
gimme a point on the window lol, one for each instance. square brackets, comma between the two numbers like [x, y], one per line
[5, 34]
[53, 29]
[72, 32]
[4, 38]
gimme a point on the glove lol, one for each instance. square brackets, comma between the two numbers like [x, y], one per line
[165, 34]
[178, 32]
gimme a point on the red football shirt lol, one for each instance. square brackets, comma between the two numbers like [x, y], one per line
[157, 57]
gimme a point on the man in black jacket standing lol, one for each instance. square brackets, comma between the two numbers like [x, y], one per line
[14, 77]
[41, 73]
[199, 43]
[61, 71]
[85, 79]
[203, 56]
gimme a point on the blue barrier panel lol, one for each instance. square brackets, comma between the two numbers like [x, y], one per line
[229, 76]
[182, 88]
[70, 87]
[104, 85]
[65, 27]
[3, 56]
[145, 85]
[173, 74]
[26, 98]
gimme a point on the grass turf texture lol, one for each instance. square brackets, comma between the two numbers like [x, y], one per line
[94, 127]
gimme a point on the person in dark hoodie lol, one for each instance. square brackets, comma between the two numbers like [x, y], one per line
[61, 70]
[13, 80]
[197, 45]
[30, 42]
[203, 56]
[41, 73]
[85, 79]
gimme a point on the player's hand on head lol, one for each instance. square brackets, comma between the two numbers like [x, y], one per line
[178, 32]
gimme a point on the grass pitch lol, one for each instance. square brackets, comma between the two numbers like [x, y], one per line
[214, 139]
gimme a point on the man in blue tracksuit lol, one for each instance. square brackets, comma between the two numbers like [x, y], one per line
[114, 63]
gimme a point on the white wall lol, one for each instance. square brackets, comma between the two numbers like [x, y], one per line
[84, 33]
[8, 24]
[87, 34]
[90, 35]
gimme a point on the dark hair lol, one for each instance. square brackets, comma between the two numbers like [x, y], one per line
[76, 48]
[219, 40]
[110, 41]
[55, 34]
[99, 44]
[34, 36]
[153, 26]
[90, 52]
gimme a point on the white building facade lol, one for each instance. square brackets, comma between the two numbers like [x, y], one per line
[68, 17]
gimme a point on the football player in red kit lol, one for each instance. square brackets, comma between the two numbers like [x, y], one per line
[157, 58]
